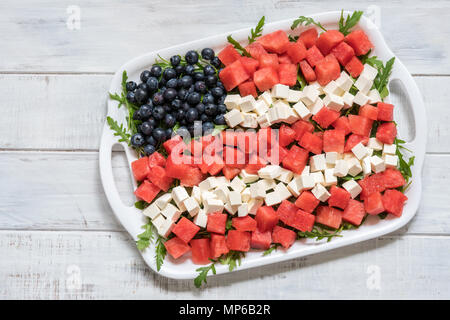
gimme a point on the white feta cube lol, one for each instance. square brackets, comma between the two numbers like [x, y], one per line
[348, 99]
[246, 195]
[261, 107]
[334, 102]
[266, 184]
[171, 212]
[360, 151]
[302, 111]
[237, 184]
[230, 209]
[282, 191]
[352, 187]
[151, 211]
[232, 101]
[213, 205]
[377, 164]
[375, 144]
[333, 89]
[367, 166]
[360, 99]
[317, 177]
[320, 192]
[163, 200]
[369, 152]
[249, 120]
[306, 182]
[158, 221]
[208, 195]
[354, 167]
[243, 210]
[306, 171]
[374, 96]
[196, 194]
[285, 176]
[266, 97]
[179, 194]
[331, 157]
[201, 219]
[294, 95]
[208, 184]
[280, 91]
[316, 106]
[247, 104]
[254, 205]
[340, 168]
[363, 84]
[294, 187]
[221, 193]
[233, 118]
[248, 177]
[389, 149]
[257, 191]
[369, 72]
[269, 172]
[272, 198]
[235, 198]
[344, 81]
[166, 228]
[263, 121]
[330, 178]
[310, 95]
[391, 161]
[318, 162]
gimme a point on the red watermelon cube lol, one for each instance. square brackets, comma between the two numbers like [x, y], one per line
[287, 74]
[265, 78]
[185, 229]
[307, 201]
[216, 222]
[175, 144]
[309, 37]
[360, 125]
[193, 177]
[201, 251]
[286, 135]
[266, 218]
[300, 127]
[233, 75]
[218, 245]
[343, 52]
[314, 56]
[393, 201]
[156, 159]
[327, 70]
[175, 168]
[302, 221]
[284, 58]
[247, 88]
[261, 240]
[158, 177]
[229, 55]
[325, 117]
[296, 159]
[385, 111]
[176, 247]
[353, 140]
[359, 41]
[393, 178]
[328, 40]
[238, 240]
[368, 111]
[286, 211]
[268, 60]
[283, 236]
[246, 223]
[386, 132]
[328, 216]
[250, 65]
[312, 143]
[354, 67]
[333, 140]
[342, 123]
[255, 49]
[277, 154]
[339, 197]
[276, 41]
[140, 168]
[254, 164]
[371, 184]
[230, 173]
[296, 51]
[373, 204]
[147, 191]
[307, 71]
[354, 212]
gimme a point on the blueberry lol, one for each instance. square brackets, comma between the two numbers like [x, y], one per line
[215, 62]
[179, 69]
[175, 60]
[162, 83]
[158, 98]
[137, 115]
[207, 53]
[156, 71]
[176, 104]
[186, 81]
[170, 94]
[204, 117]
[208, 98]
[183, 122]
[220, 84]
[200, 108]
[221, 108]
[146, 128]
[172, 83]
[151, 140]
[211, 81]
[182, 94]
[131, 97]
[182, 131]
[169, 73]
[193, 98]
[131, 86]
[221, 100]
[137, 140]
[191, 57]
[191, 129]
[217, 92]
[167, 108]
[199, 76]
[159, 134]
[145, 75]
[209, 70]
[200, 87]
[152, 122]
[185, 106]
[169, 120]
[145, 111]
[168, 133]
[159, 113]
[162, 90]
[179, 115]
[191, 89]
[143, 86]
[207, 127]
[219, 119]
[149, 149]
[189, 70]
[152, 84]
[141, 96]
[191, 115]
[210, 109]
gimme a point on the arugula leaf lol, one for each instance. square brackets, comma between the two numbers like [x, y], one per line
[274, 247]
[232, 259]
[382, 215]
[258, 30]
[218, 129]
[302, 20]
[146, 237]
[119, 130]
[384, 72]
[301, 80]
[141, 204]
[238, 46]
[203, 273]
[160, 252]
[403, 165]
[350, 22]
[293, 38]
[320, 233]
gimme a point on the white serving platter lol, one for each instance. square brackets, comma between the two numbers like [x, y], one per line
[413, 113]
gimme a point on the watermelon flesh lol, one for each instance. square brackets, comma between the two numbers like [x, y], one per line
[176, 247]
[354, 212]
[185, 229]
[218, 245]
[201, 251]
[238, 240]
[246, 223]
[328, 216]
[266, 218]
[283, 236]
[261, 240]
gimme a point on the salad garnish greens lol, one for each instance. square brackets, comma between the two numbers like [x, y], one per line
[254, 33]
[306, 21]
[350, 21]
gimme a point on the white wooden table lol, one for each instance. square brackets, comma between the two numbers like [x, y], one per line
[58, 236]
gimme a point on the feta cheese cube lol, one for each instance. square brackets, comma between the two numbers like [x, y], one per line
[249, 120]
[389, 149]
[348, 99]
[344, 81]
[171, 212]
[282, 191]
[269, 172]
[340, 168]
[201, 219]
[266, 97]
[246, 195]
[330, 178]
[306, 171]
[196, 194]
[377, 164]
[316, 85]
[317, 177]
[248, 103]
[285, 176]
[272, 115]
[257, 191]
[235, 198]
[363, 84]
[375, 144]
[310, 95]
[369, 72]
[208, 195]
[208, 184]
[232, 101]
[254, 205]
[213, 205]
[318, 162]
[316, 106]
[352, 187]
[158, 221]
[261, 107]
[248, 177]
[266, 184]
[302, 111]
[306, 182]
[230, 209]
[320, 192]
[263, 121]
[294, 187]
[360, 99]
[222, 193]
[334, 102]
[369, 152]
[294, 95]
[191, 206]
[332, 89]
[272, 198]
[233, 118]
[166, 228]
[179, 194]
[390, 160]
[163, 200]
[331, 157]
[367, 166]
[360, 151]
[151, 211]
[280, 91]
[243, 210]
[374, 96]
[237, 184]
[354, 167]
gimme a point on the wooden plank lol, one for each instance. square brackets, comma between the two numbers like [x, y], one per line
[66, 112]
[81, 265]
[56, 190]
[113, 32]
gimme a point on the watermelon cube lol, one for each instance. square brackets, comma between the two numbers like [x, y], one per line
[307, 201]
[385, 111]
[217, 222]
[302, 221]
[254, 164]
[176, 247]
[314, 56]
[354, 212]
[328, 40]
[216, 165]
[255, 49]
[265, 78]
[343, 52]
[353, 140]
[327, 70]
[218, 245]
[296, 159]
[339, 197]
[246, 223]
[174, 144]
[372, 184]
[266, 218]
[276, 41]
[368, 111]
[309, 37]
[312, 143]
[268, 60]
[283, 236]
[201, 251]
[359, 41]
[238, 240]
[286, 135]
[175, 168]
[228, 55]
[393, 201]
[140, 168]
[325, 117]
[307, 71]
[158, 177]
[373, 204]
[386, 132]
[250, 65]
[156, 159]
[287, 74]
[393, 178]
[300, 127]
[360, 125]
[277, 154]
[230, 173]
[147, 191]
[233, 75]
[233, 157]
[284, 58]
[192, 177]
[185, 229]
[247, 142]
[286, 211]
[296, 51]
[261, 240]
[342, 123]
[248, 88]
[333, 140]
[354, 67]
[328, 216]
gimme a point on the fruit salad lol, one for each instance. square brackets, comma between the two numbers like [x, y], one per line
[285, 137]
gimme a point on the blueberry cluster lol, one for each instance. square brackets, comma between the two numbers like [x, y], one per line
[177, 93]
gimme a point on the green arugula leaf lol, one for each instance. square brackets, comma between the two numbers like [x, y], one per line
[160, 252]
[350, 22]
[274, 247]
[146, 237]
[218, 129]
[320, 233]
[203, 273]
[384, 72]
[141, 204]
[238, 46]
[302, 20]
[403, 165]
[232, 259]
[293, 38]
[119, 130]
[258, 30]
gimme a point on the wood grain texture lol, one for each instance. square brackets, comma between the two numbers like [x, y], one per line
[113, 32]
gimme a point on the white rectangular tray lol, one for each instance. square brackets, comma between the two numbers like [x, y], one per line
[132, 219]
